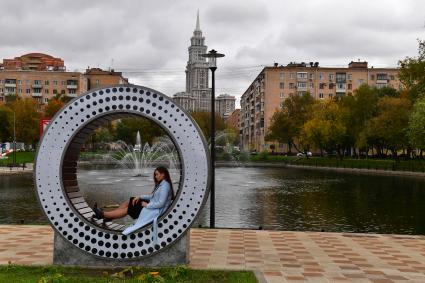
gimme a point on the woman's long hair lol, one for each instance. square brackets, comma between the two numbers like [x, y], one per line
[167, 177]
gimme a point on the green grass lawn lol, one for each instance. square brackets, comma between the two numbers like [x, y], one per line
[53, 274]
[21, 157]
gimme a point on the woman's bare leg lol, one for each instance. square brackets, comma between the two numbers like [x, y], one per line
[119, 212]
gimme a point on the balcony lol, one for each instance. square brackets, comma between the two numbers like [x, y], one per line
[36, 86]
[37, 94]
[9, 93]
[72, 86]
[71, 94]
[382, 81]
[9, 84]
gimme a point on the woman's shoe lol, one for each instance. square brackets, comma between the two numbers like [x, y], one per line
[98, 213]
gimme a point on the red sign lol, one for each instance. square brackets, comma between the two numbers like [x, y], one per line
[43, 124]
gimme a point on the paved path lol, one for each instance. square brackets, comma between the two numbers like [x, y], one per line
[277, 256]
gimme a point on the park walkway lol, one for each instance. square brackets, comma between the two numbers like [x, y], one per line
[276, 256]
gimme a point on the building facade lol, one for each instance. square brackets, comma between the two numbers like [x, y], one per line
[197, 71]
[273, 85]
[224, 105]
[100, 78]
[42, 77]
[34, 62]
[186, 101]
[41, 85]
[234, 119]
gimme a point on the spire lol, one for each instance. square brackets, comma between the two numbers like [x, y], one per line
[198, 27]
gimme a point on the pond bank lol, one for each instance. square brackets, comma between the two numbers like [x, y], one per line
[260, 164]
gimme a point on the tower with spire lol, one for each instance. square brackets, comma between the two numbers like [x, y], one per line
[197, 71]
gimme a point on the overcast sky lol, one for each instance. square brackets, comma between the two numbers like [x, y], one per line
[148, 40]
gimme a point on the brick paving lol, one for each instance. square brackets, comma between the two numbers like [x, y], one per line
[276, 256]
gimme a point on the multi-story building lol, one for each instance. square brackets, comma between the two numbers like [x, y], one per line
[34, 62]
[41, 85]
[224, 105]
[273, 85]
[99, 78]
[197, 71]
[185, 100]
[234, 119]
[42, 77]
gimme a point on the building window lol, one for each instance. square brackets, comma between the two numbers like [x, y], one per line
[360, 81]
[55, 82]
[331, 77]
[311, 85]
[55, 91]
[350, 86]
[349, 76]
[37, 82]
[321, 76]
[392, 77]
[19, 82]
[27, 82]
[382, 77]
[302, 75]
[97, 82]
[282, 85]
[46, 82]
[311, 76]
[291, 85]
[63, 83]
[331, 86]
[46, 91]
[20, 90]
[291, 75]
[321, 95]
[321, 86]
[72, 91]
[37, 90]
[28, 91]
[330, 95]
[281, 76]
[46, 100]
[372, 77]
[281, 95]
[301, 85]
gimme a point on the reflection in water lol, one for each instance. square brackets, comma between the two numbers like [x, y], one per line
[278, 199]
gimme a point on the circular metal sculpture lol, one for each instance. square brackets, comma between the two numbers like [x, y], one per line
[56, 171]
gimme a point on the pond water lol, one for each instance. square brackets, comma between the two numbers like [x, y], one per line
[273, 198]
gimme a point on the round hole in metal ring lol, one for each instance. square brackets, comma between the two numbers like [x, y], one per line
[56, 163]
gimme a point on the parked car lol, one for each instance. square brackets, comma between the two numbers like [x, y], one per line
[304, 154]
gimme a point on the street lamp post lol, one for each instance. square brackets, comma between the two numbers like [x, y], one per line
[212, 56]
[14, 139]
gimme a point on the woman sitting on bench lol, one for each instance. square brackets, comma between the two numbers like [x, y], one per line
[146, 208]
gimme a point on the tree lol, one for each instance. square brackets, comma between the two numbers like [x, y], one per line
[388, 129]
[53, 106]
[286, 123]
[127, 128]
[326, 128]
[359, 108]
[416, 128]
[203, 119]
[412, 73]
[27, 120]
[5, 134]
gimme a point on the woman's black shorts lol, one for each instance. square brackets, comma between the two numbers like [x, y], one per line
[134, 210]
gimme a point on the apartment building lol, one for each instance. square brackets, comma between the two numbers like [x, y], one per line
[97, 78]
[185, 100]
[224, 105]
[273, 85]
[42, 77]
[41, 85]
